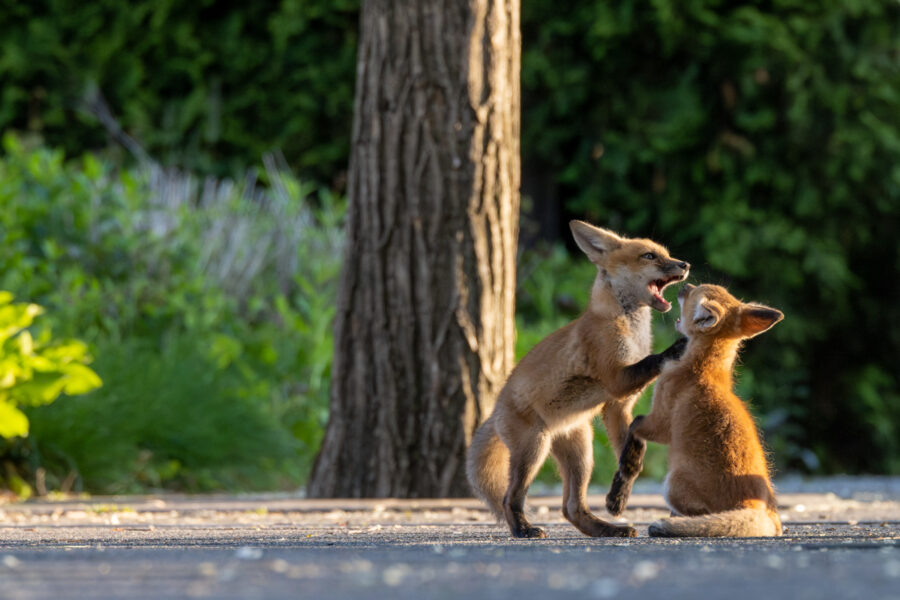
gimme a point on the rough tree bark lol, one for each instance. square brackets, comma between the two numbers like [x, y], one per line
[424, 330]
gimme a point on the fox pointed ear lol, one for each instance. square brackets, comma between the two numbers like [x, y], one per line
[707, 314]
[756, 318]
[594, 241]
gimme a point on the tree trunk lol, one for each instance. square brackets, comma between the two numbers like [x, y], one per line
[424, 330]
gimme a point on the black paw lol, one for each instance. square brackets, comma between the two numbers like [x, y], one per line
[529, 531]
[618, 495]
[617, 531]
[608, 530]
[615, 505]
[626, 532]
[676, 350]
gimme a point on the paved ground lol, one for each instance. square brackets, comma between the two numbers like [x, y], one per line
[843, 543]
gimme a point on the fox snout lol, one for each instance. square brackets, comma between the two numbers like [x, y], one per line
[676, 265]
[672, 270]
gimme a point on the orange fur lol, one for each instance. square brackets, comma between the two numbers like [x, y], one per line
[718, 477]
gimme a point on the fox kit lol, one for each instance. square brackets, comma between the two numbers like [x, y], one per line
[718, 476]
[598, 363]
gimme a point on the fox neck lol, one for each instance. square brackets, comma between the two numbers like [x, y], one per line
[713, 359]
[609, 301]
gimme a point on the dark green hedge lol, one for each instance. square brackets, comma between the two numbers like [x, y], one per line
[206, 85]
[759, 140]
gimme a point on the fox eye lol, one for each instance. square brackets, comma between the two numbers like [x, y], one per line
[648, 256]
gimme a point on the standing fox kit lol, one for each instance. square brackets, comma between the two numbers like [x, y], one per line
[718, 477]
[598, 363]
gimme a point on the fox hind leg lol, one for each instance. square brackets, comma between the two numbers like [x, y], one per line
[574, 454]
[683, 497]
[528, 450]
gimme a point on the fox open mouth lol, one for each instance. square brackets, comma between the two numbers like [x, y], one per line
[656, 290]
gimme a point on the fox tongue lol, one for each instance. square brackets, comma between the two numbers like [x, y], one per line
[657, 295]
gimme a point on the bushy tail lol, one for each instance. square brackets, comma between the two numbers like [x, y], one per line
[487, 466]
[744, 522]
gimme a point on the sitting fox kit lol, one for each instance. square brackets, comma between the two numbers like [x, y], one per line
[718, 478]
[598, 363]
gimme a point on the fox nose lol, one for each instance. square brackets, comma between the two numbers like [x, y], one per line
[684, 265]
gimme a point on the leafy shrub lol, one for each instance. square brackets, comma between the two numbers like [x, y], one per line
[172, 419]
[208, 303]
[34, 372]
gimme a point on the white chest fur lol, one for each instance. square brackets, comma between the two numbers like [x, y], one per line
[635, 341]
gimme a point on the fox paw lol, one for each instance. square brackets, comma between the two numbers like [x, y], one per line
[530, 532]
[604, 529]
[627, 532]
[615, 505]
[677, 348]
[618, 495]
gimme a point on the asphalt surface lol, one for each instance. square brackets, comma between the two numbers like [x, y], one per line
[843, 543]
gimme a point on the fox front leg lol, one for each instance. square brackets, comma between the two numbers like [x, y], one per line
[630, 464]
[635, 377]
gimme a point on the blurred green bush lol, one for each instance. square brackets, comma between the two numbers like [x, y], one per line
[207, 87]
[34, 371]
[207, 304]
[759, 142]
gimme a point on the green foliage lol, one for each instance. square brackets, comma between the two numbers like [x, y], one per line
[206, 88]
[35, 372]
[208, 304]
[554, 288]
[759, 141]
[173, 420]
